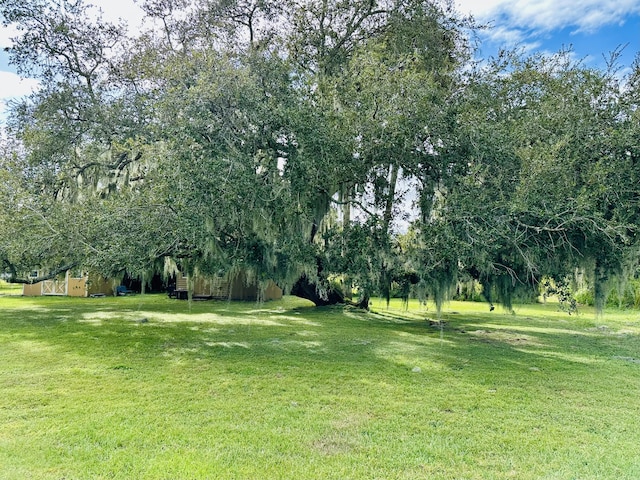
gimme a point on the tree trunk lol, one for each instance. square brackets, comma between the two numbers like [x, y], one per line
[600, 288]
[391, 195]
[303, 288]
[364, 301]
[346, 225]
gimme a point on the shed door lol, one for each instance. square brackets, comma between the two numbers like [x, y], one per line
[54, 287]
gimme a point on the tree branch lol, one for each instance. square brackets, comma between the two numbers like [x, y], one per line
[40, 278]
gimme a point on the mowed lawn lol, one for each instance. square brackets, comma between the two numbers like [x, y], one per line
[145, 387]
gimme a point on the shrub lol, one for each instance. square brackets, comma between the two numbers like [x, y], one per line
[584, 296]
[470, 290]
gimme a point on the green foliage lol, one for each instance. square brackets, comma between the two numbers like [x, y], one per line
[584, 296]
[469, 291]
[290, 141]
[538, 197]
[561, 289]
[628, 296]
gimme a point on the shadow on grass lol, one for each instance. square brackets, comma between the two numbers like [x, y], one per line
[152, 328]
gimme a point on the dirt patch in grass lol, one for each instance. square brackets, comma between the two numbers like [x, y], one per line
[508, 337]
[334, 444]
[626, 359]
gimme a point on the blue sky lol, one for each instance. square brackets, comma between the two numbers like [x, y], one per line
[592, 27]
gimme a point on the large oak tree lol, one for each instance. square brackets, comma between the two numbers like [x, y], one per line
[298, 141]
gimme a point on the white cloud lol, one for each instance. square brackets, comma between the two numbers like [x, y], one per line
[480, 10]
[546, 15]
[6, 33]
[114, 10]
[502, 34]
[522, 22]
[584, 15]
[13, 87]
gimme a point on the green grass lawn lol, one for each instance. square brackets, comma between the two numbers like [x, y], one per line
[145, 387]
[10, 288]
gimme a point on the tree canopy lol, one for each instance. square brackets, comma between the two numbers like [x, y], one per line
[325, 145]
